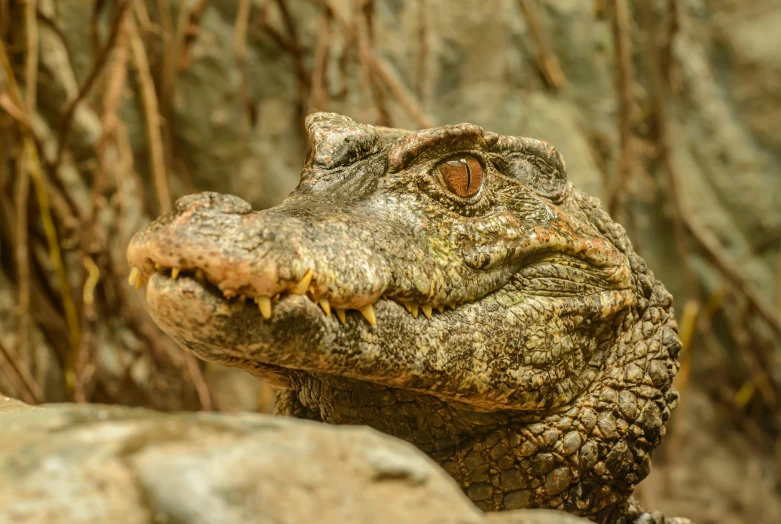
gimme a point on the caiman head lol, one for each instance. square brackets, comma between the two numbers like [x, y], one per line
[445, 286]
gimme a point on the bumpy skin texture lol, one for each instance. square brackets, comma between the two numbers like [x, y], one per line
[544, 381]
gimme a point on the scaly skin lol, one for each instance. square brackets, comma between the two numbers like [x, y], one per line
[544, 381]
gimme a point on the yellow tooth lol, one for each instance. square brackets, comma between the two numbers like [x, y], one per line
[441, 308]
[303, 284]
[426, 311]
[413, 308]
[325, 305]
[199, 274]
[264, 305]
[451, 306]
[368, 313]
[134, 279]
[174, 272]
[158, 267]
[341, 314]
[409, 307]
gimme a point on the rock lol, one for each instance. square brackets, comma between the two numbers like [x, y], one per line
[533, 516]
[91, 463]
[10, 405]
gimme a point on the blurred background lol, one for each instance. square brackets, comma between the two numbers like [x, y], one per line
[669, 111]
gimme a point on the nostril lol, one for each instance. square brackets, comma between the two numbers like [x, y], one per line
[209, 199]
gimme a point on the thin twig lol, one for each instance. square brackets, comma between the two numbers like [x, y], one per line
[295, 49]
[714, 250]
[191, 33]
[115, 83]
[240, 44]
[383, 71]
[365, 78]
[5, 18]
[172, 49]
[31, 58]
[624, 80]
[778, 282]
[97, 8]
[23, 382]
[204, 396]
[660, 94]
[97, 68]
[83, 369]
[666, 58]
[23, 183]
[293, 46]
[547, 61]
[152, 116]
[371, 79]
[36, 174]
[54, 28]
[319, 92]
[394, 85]
[422, 54]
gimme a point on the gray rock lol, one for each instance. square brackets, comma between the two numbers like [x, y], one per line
[91, 463]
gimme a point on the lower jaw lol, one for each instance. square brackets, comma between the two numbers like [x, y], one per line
[233, 333]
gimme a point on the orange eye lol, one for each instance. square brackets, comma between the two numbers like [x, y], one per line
[463, 175]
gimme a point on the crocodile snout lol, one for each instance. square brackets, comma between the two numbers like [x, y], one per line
[262, 255]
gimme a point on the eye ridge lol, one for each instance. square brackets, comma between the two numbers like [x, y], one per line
[462, 175]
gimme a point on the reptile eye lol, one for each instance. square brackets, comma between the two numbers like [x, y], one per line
[463, 176]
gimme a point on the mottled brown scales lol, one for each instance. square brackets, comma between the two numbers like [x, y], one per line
[507, 329]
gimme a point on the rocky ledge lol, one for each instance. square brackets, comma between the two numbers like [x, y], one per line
[90, 463]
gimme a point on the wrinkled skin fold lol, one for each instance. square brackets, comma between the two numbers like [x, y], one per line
[501, 322]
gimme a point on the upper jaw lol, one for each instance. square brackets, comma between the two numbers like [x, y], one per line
[269, 255]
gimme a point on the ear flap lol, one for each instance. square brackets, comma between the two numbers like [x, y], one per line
[338, 140]
[534, 163]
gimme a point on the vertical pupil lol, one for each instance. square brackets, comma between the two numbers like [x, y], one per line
[468, 175]
[462, 176]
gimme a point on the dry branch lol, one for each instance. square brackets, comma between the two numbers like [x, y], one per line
[547, 61]
[32, 159]
[240, 44]
[715, 251]
[380, 67]
[24, 383]
[151, 116]
[97, 68]
[624, 82]
[319, 93]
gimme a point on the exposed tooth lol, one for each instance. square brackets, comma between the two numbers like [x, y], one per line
[441, 308]
[158, 267]
[174, 272]
[134, 277]
[200, 275]
[368, 313]
[413, 309]
[341, 314]
[452, 306]
[426, 310]
[264, 304]
[325, 305]
[303, 284]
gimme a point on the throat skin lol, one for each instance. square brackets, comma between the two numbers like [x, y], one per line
[584, 458]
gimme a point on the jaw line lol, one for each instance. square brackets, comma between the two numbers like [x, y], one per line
[300, 337]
